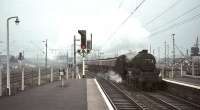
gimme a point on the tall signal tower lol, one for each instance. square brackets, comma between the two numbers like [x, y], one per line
[195, 48]
[165, 53]
[173, 48]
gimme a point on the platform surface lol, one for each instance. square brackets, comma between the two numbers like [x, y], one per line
[189, 80]
[183, 82]
[94, 97]
[73, 96]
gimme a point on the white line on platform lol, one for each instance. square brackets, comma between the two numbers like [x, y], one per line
[182, 83]
[104, 96]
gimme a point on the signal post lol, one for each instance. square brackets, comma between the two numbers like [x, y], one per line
[86, 47]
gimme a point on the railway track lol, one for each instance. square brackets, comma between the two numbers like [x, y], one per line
[118, 99]
[160, 99]
[171, 102]
[165, 101]
[181, 100]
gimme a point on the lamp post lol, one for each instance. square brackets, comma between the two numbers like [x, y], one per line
[46, 59]
[8, 54]
[75, 55]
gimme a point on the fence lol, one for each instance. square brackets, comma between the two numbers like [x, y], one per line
[31, 79]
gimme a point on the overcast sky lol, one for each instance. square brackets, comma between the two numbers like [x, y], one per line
[59, 20]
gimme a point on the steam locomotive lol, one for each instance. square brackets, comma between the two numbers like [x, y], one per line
[137, 70]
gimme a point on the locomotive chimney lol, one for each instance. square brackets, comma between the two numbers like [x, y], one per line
[144, 51]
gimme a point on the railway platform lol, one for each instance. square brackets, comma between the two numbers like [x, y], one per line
[76, 94]
[183, 89]
[185, 81]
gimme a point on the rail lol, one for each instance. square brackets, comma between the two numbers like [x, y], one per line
[117, 97]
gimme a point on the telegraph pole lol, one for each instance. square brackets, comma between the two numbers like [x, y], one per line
[67, 59]
[75, 55]
[165, 53]
[46, 58]
[150, 48]
[91, 41]
[159, 56]
[67, 68]
[168, 54]
[173, 48]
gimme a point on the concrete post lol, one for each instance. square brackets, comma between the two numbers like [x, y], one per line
[46, 60]
[172, 71]
[60, 78]
[62, 81]
[72, 74]
[173, 49]
[181, 69]
[51, 74]
[1, 90]
[8, 62]
[77, 73]
[67, 73]
[74, 66]
[39, 77]
[83, 67]
[193, 69]
[22, 86]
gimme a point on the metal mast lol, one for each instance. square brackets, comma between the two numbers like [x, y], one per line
[75, 55]
[173, 48]
[165, 53]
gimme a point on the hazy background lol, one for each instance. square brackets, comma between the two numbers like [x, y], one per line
[59, 20]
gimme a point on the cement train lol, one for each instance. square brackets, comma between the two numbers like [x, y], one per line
[137, 70]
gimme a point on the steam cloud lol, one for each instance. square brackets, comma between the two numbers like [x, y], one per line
[114, 77]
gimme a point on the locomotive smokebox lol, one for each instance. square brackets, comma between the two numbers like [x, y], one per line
[144, 51]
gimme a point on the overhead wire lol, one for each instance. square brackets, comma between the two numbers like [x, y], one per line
[175, 19]
[195, 17]
[163, 12]
[131, 13]
[176, 24]
[125, 20]
[120, 3]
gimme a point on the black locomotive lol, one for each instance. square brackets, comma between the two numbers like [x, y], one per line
[139, 70]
